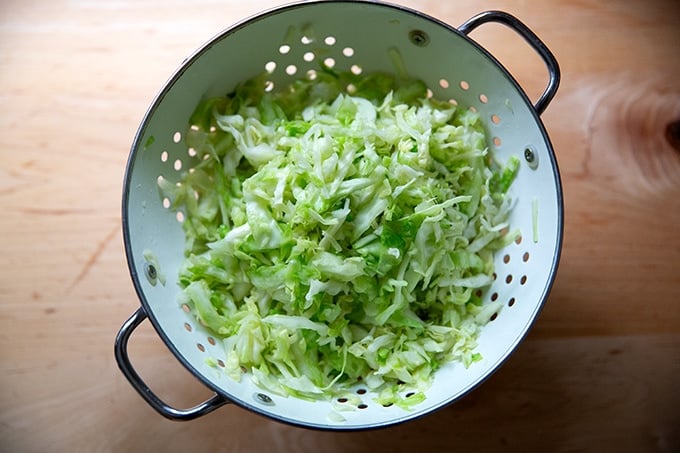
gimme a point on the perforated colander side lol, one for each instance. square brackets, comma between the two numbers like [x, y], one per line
[293, 42]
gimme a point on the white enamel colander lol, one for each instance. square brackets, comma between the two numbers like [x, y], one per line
[355, 36]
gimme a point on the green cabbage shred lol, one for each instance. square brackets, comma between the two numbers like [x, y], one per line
[341, 231]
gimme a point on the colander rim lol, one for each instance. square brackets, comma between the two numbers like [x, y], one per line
[137, 145]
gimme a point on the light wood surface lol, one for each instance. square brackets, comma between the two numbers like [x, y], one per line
[600, 371]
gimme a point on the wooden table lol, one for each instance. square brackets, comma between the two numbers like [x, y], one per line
[599, 371]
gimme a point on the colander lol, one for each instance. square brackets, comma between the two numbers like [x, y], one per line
[289, 42]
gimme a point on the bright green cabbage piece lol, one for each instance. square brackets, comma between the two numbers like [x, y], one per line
[337, 236]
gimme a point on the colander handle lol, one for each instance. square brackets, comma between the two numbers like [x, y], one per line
[531, 38]
[154, 401]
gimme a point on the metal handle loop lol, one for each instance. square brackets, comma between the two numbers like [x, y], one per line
[154, 401]
[531, 38]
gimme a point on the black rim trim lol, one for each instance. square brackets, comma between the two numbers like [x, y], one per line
[134, 274]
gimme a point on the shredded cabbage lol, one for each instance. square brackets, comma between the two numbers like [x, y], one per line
[341, 230]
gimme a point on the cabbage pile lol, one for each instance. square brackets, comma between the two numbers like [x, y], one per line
[341, 230]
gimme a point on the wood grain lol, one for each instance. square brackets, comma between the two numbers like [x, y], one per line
[598, 371]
